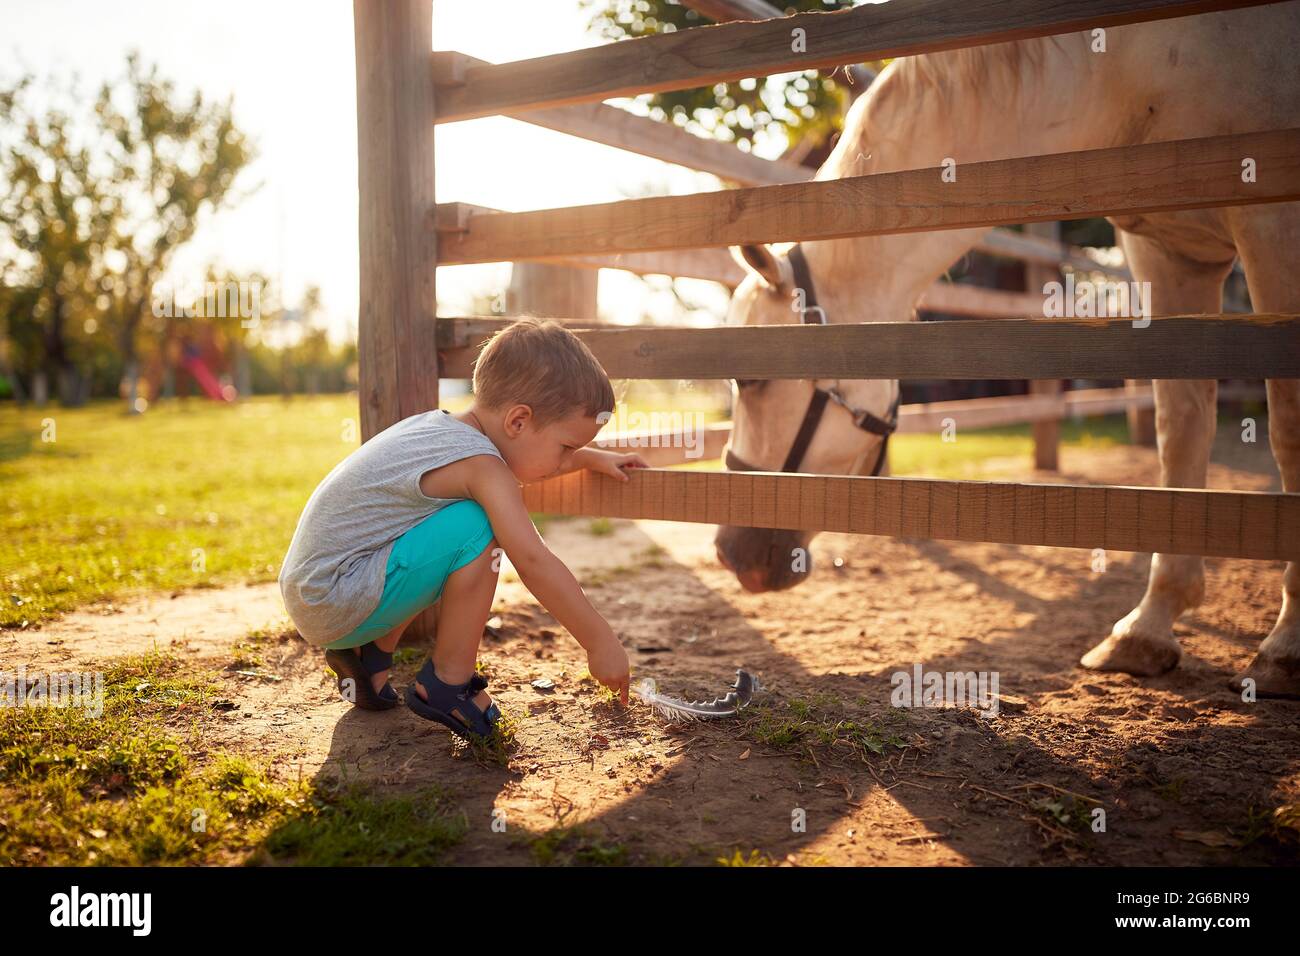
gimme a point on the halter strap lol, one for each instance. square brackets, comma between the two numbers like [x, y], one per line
[813, 314]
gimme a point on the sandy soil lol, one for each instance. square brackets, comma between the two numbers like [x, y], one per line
[1180, 765]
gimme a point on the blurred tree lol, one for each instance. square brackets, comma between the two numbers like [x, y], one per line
[170, 163]
[807, 107]
[56, 222]
[92, 212]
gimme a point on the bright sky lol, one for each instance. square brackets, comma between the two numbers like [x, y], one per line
[289, 66]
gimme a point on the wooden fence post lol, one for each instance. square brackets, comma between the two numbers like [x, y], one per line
[395, 120]
[551, 291]
[1047, 434]
[397, 333]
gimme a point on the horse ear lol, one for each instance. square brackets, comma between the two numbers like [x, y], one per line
[764, 263]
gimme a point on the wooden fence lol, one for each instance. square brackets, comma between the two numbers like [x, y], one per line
[404, 91]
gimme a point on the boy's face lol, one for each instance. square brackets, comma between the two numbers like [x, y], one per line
[535, 453]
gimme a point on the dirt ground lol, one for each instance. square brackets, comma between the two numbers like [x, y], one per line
[1183, 768]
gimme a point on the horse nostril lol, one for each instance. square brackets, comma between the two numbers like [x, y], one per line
[754, 580]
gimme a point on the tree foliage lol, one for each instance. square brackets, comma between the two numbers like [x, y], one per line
[94, 203]
[808, 105]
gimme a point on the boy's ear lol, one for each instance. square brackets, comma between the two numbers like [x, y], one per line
[517, 418]
[758, 258]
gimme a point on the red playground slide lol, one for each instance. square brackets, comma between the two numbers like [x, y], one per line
[207, 381]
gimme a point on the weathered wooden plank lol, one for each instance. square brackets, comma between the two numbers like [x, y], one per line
[1243, 524]
[705, 55]
[717, 265]
[1150, 177]
[721, 11]
[637, 134]
[714, 264]
[395, 156]
[1251, 346]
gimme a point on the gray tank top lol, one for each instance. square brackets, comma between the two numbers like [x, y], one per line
[333, 574]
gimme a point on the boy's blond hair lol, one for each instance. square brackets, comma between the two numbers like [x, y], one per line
[540, 363]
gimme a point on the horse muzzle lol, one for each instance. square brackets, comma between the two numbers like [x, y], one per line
[764, 559]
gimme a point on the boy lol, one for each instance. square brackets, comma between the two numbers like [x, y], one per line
[416, 514]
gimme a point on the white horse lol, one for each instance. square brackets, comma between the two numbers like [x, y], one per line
[1222, 73]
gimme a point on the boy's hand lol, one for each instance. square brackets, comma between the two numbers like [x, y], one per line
[609, 665]
[611, 463]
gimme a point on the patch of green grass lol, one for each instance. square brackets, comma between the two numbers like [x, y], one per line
[192, 816]
[823, 721]
[569, 846]
[1067, 810]
[99, 755]
[497, 749]
[930, 455]
[355, 828]
[246, 657]
[600, 527]
[138, 786]
[248, 652]
[409, 655]
[134, 785]
[183, 496]
[755, 858]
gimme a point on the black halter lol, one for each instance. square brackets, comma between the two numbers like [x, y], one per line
[813, 314]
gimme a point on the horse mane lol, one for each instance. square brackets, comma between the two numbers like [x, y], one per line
[1000, 74]
[1000, 67]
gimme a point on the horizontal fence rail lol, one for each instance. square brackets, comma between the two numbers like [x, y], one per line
[716, 264]
[617, 127]
[1250, 346]
[623, 130]
[705, 55]
[685, 443]
[1243, 524]
[1151, 177]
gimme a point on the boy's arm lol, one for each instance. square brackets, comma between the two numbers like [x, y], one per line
[495, 487]
[606, 462]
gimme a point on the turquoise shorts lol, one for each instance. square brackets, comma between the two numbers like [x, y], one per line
[421, 561]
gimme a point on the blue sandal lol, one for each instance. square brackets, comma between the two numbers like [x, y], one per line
[452, 705]
[359, 670]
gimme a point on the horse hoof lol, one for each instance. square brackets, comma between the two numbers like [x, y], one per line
[1278, 678]
[1140, 656]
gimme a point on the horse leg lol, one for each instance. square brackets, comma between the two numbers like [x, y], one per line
[1268, 239]
[1142, 642]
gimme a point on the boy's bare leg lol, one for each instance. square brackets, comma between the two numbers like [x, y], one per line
[466, 604]
[389, 644]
